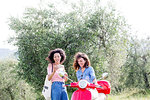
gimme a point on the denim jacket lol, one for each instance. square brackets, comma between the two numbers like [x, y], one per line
[88, 74]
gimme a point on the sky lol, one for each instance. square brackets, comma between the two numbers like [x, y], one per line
[136, 12]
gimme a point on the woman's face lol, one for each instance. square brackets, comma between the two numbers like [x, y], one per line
[81, 62]
[57, 58]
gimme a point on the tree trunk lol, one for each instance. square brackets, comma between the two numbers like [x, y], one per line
[146, 80]
[145, 75]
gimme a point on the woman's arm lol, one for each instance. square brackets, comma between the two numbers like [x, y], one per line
[94, 81]
[50, 76]
[92, 73]
[50, 72]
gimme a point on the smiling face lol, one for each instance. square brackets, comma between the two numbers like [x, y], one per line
[81, 62]
[57, 58]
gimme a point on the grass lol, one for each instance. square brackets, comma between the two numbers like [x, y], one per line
[69, 95]
[131, 95]
[123, 97]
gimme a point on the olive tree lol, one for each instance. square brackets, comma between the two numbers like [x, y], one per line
[88, 28]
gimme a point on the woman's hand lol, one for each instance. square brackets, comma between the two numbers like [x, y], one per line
[65, 77]
[55, 69]
[95, 82]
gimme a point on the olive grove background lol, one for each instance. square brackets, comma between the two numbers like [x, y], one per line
[98, 31]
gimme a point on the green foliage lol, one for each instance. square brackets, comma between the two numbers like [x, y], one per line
[10, 87]
[99, 32]
[136, 70]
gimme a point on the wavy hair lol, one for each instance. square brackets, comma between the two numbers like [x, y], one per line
[80, 55]
[50, 57]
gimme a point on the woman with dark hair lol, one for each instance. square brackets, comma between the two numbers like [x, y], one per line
[56, 57]
[85, 71]
[83, 68]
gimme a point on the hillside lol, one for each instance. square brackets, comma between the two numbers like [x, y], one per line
[7, 53]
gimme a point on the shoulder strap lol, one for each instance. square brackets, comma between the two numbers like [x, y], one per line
[52, 67]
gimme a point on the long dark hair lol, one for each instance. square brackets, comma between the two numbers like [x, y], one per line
[50, 57]
[80, 55]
